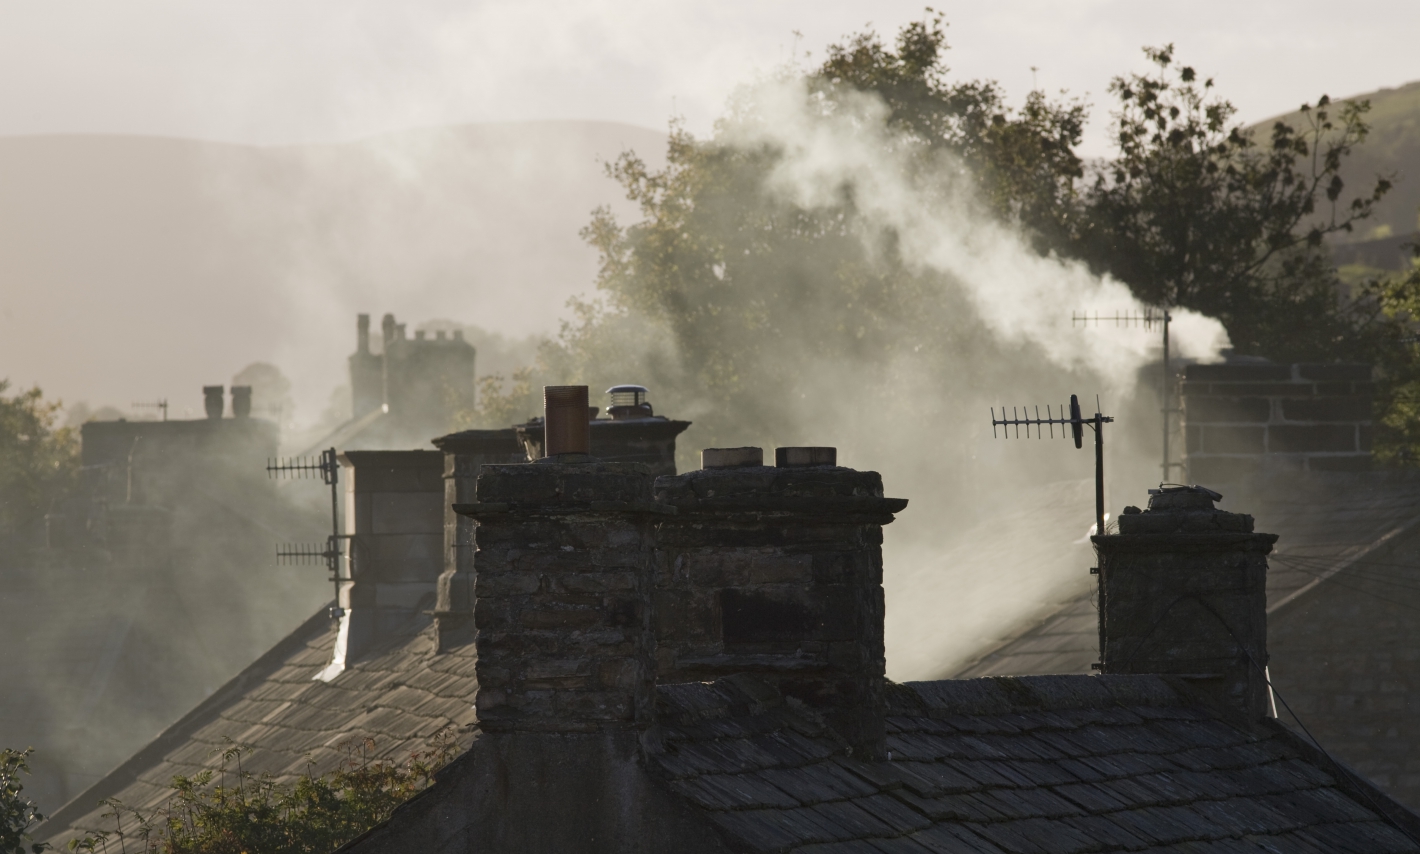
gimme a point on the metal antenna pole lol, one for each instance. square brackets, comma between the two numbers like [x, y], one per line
[1099, 473]
[1167, 395]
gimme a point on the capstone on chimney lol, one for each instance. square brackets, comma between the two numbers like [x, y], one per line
[1183, 591]
[465, 455]
[777, 572]
[632, 433]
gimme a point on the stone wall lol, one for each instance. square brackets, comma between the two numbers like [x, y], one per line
[1245, 419]
[777, 572]
[564, 562]
[1183, 590]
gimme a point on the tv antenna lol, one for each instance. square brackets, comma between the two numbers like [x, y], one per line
[1147, 318]
[161, 405]
[1077, 424]
[328, 469]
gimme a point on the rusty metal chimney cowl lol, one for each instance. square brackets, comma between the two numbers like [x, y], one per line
[565, 427]
[212, 400]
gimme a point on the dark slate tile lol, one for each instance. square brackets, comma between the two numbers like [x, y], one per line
[954, 839]
[1024, 747]
[729, 756]
[1108, 833]
[950, 808]
[825, 781]
[1028, 803]
[1093, 798]
[1318, 806]
[1036, 836]
[894, 813]
[1079, 770]
[790, 748]
[922, 747]
[1202, 733]
[1041, 773]
[766, 830]
[859, 846]
[1166, 826]
[1243, 815]
[733, 791]
[848, 820]
[1358, 838]
[989, 774]
[930, 779]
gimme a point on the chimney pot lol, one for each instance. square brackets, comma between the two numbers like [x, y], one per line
[212, 400]
[801, 457]
[565, 423]
[362, 333]
[241, 401]
[724, 458]
[439, 335]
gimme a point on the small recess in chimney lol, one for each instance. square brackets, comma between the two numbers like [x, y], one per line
[725, 458]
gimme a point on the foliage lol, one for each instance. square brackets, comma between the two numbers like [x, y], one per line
[18, 814]
[232, 811]
[1397, 441]
[498, 404]
[744, 295]
[1194, 212]
[39, 462]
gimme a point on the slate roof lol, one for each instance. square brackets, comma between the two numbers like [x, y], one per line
[399, 695]
[1327, 523]
[1039, 764]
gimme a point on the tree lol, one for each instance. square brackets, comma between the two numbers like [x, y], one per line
[39, 463]
[18, 814]
[1192, 211]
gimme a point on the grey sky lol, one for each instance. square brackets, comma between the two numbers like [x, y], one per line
[272, 71]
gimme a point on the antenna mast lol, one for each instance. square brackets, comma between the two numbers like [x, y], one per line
[1077, 424]
[328, 468]
[1146, 318]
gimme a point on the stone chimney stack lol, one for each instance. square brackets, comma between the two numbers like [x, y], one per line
[1183, 591]
[362, 334]
[777, 572]
[465, 455]
[564, 562]
[394, 516]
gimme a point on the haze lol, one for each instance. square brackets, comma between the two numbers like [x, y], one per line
[137, 269]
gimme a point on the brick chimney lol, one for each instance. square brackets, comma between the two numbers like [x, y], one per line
[394, 516]
[564, 563]
[1248, 418]
[465, 455]
[1183, 591]
[777, 572]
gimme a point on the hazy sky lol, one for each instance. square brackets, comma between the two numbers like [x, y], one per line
[297, 70]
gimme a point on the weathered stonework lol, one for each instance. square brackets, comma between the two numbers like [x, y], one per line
[1242, 420]
[777, 572]
[465, 455]
[564, 562]
[1183, 591]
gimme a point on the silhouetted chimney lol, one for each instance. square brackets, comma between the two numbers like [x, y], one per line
[212, 400]
[394, 514]
[465, 455]
[362, 334]
[777, 572]
[1183, 591]
[241, 401]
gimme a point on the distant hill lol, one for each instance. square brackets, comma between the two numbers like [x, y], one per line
[133, 268]
[1392, 147]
